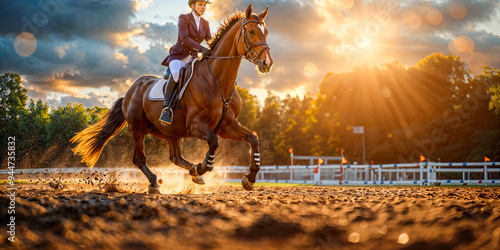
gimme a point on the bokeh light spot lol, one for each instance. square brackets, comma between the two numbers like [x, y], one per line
[310, 69]
[403, 238]
[434, 17]
[412, 19]
[25, 44]
[463, 44]
[477, 61]
[386, 92]
[354, 237]
[458, 10]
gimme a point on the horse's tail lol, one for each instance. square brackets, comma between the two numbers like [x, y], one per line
[92, 140]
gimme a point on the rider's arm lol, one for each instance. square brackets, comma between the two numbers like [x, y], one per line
[184, 34]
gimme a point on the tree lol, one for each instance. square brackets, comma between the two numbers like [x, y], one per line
[33, 126]
[65, 122]
[248, 114]
[12, 102]
[268, 126]
[492, 79]
[96, 113]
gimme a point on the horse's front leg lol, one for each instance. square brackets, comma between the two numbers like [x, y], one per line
[200, 130]
[235, 131]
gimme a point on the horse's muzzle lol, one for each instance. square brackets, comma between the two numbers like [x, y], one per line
[266, 64]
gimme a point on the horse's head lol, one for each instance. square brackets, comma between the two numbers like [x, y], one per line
[252, 40]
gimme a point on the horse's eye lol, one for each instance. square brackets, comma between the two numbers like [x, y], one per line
[251, 32]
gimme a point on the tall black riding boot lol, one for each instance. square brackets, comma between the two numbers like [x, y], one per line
[167, 117]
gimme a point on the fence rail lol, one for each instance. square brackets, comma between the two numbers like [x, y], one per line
[423, 174]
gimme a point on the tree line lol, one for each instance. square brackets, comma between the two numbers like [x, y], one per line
[437, 108]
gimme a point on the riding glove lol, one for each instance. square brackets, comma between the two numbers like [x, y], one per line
[204, 52]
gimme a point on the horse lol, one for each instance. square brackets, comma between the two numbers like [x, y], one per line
[210, 105]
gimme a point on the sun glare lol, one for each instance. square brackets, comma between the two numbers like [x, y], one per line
[365, 43]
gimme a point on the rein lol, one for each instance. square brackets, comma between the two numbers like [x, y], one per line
[253, 57]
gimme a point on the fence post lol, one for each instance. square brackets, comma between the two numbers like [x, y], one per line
[319, 175]
[367, 173]
[379, 174]
[421, 174]
[485, 175]
[429, 175]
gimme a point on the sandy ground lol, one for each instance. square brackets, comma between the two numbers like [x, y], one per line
[227, 217]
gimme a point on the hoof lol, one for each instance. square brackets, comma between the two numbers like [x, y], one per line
[194, 170]
[198, 180]
[154, 190]
[247, 184]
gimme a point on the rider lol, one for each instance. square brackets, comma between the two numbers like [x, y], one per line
[193, 30]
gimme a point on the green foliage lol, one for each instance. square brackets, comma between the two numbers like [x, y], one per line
[248, 114]
[96, 113]
[66, 122]
[495, 98]
[12, 102]
[33, 126]
[491, 78]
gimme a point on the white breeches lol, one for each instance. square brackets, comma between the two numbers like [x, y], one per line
[176, 66]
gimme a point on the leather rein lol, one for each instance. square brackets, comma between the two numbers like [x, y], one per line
[253, 56]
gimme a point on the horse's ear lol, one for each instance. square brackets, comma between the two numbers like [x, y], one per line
[264, 14]
[249, 11]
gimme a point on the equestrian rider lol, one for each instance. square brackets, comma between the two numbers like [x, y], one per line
[193, 30]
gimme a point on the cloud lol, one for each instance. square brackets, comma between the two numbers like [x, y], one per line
[100, 20]
[82, 45]
[91, 100]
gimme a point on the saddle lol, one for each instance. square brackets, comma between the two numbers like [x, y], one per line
[157, 92]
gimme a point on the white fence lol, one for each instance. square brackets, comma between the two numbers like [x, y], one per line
[423, 174]
[428, 173]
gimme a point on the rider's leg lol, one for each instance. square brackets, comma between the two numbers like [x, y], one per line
[167, 113]
[175, 66]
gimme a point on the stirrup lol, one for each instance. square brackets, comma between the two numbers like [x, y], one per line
[166, 123]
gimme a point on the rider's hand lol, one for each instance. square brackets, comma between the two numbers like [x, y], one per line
[204, 52]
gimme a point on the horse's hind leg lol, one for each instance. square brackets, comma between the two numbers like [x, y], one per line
[140, 162]
[235, 131]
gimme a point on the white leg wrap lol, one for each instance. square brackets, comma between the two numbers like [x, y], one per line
[256, 159]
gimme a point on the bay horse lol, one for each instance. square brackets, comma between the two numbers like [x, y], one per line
[210, 104]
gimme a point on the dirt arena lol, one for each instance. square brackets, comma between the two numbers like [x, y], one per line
[270, 217]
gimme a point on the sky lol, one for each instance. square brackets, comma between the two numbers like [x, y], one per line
[92, 51]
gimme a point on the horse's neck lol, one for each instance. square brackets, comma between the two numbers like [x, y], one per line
[226, 70]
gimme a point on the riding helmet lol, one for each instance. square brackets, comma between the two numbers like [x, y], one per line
[194, 1]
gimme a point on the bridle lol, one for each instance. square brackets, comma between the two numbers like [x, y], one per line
[250, 54]
[253, 56]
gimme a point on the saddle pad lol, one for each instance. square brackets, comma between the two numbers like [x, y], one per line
[156, 92]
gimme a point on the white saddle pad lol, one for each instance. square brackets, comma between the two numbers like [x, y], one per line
[156, 92]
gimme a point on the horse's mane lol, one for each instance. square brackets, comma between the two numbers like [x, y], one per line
[225, 26]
